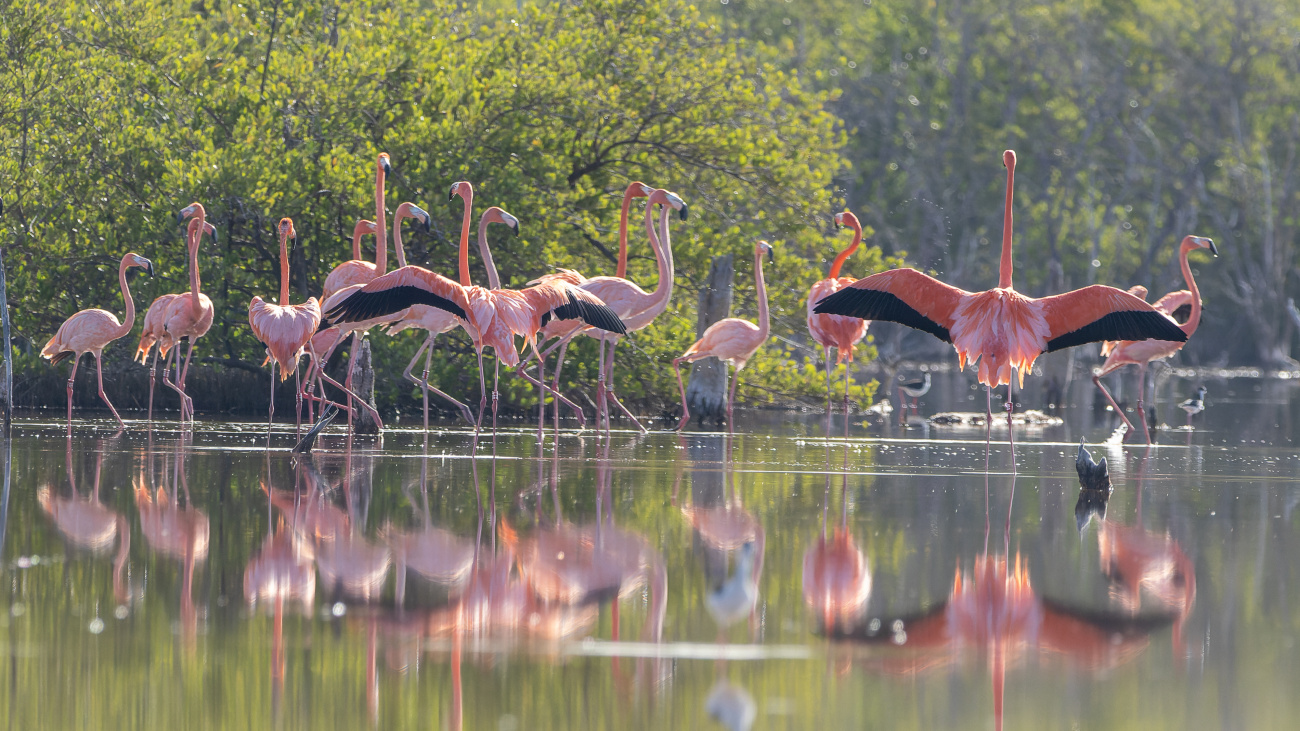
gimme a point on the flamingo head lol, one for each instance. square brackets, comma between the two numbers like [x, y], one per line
[211, 231]
[410, 210]
[763, 246]
[286, 229]
[135, 260]
[190, 210]
[461, 188]
[1009, 159]
[847, 219]
[496, 215]
[364, 227]
[384, 164]
[1201, 242]
[668, 198]
[637, 189]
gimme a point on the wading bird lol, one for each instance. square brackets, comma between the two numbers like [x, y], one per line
[732, 340]
[492, 316]
[356, 270]
[1142, 352]
[837, 331]
[189, 315]
[1002, 329]
[913, 388]
[284, 329]
[1194, 405]
[90, 331]
[635, 306]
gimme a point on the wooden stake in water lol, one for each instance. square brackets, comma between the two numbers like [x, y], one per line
[7, 387]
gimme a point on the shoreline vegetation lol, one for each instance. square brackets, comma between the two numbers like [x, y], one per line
[767, 118]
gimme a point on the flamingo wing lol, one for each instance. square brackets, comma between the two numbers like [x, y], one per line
[576, 304]
[1177, 305]
[905, 296]
[399, 290]
[1100, 313]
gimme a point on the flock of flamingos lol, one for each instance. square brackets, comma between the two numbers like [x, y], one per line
[1000, 329]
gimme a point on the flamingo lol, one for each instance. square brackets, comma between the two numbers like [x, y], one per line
[325, 340]
[1002, 329]
[189, 315]
[492, 316]
[837, 331]
[284, 329]
[732, 340]
[636, 307]
[435, 321]
[154, 330]
[90, 331]
[356, 270]
[1142, 352]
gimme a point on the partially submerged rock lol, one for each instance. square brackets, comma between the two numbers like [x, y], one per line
[1031, 417]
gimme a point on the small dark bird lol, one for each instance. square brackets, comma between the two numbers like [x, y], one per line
[1194, 405]
[1095, 488]
[914, 388]
[308, 440]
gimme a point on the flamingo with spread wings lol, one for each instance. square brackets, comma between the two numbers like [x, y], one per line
[284, 329]
[1142, 352]
[90, 331]
[837, 331]
[1002, 329]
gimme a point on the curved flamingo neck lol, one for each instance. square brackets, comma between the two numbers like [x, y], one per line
[621, 270]
[381, 225]
[284, 269]
[663, 248]
[195, 239]
[399, 249]
[494, 281]
[1004, 269]
[844, 255]
[467, 195]
[764, 325]
[1194, 321]
[129, 320]
[357, 232]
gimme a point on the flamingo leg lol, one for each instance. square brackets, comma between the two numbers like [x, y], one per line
[1142, 412]
[482, 391]
[1011, 433]
[99, 369]
[341, 387]
[686, 411]
[577, 410]
[1111, 399]
[310, 391]
[988, 414]
[826, 358]
[848, 380]
[423, 384]
[153, 378]
[185, 374]
[609, 380]
[496, 394]
[347, 379]
[731, 400]
[270, 418]
[541, 397]
[297, 394]
[173, 361]
[602, 403]
[555, 381]
[72, 378]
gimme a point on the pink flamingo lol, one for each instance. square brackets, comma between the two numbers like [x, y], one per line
[1142, 352]
[325, 340]
[492, 316]
[732, 340]
[283, 328]
[1002, 329]
[356, 270]
[154, 329]
[189, 315]
[90, 331]
[636, 307]
[838, 331]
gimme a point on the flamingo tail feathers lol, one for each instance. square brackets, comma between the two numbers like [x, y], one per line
[364, 305]
[872, 304]
[60, 357]
[1122, 325]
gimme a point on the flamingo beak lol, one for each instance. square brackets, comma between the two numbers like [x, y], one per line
[681, 213]
[515, 227]
[771, 257]
[212, 231]
[148, 267]
[1213, 249]
[451, 195]
[428, 223]
[388, 169]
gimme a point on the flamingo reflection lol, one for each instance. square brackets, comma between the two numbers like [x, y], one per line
[88, 524]
[836, 578]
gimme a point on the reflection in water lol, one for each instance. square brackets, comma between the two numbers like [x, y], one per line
[88, 524]
[836, 578]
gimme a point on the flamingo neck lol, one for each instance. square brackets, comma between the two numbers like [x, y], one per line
[468, 197]
[129, 320]
[194, 271]
[1194, 321]
[844, 255]
[763, 323]
[621, 270]
[356, 243]
[1004, 269]
[494, 281]
[398, 249]
[284, 270]
[381, 225]
[663, 248]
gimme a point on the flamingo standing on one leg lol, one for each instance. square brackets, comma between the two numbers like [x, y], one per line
[90, 331]
[1002, 329]
[154, 330]
[189, 315]
[636, 307]
[838, 331]
[283, 328]
[732, 340]
[1142, 352]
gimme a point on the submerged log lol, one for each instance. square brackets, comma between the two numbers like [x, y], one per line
[706, 395]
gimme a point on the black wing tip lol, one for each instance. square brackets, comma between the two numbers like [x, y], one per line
[599, 316]
[364, 305]
[1126, 325]
[873, 304]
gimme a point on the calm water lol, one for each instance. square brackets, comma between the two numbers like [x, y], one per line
[774, 579]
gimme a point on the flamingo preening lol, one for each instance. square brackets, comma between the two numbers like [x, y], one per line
[635, 306]
[492, 316]
[284, 329]
[1142, 352]
[837, 331]
[1002, 329]
[731, 340]
[90, 331]
[154, 330]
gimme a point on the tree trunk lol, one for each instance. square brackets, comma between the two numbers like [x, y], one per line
[707, 393]
[363, 385]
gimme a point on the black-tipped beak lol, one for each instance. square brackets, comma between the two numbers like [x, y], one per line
[1213, 249]
[771, 258]
[682, 213]
[836, 221]
[148, 267]
[180, 217]
[515, 228]
[428, 223]
[451, 194]
[388, 169]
